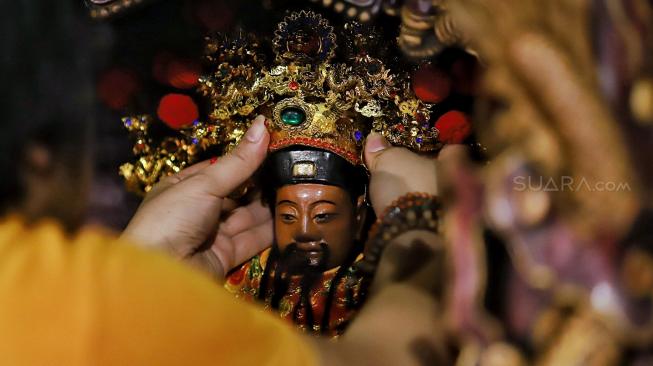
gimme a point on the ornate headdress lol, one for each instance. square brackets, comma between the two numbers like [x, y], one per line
[315, 97]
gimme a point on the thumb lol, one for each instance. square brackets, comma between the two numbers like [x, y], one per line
[233, 169]
[375, 144]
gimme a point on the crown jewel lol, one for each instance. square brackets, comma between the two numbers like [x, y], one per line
[319, 91]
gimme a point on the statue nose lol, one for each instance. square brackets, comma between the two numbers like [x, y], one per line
[307, 232]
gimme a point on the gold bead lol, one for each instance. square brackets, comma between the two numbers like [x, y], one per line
[641, 100]
[411, 216]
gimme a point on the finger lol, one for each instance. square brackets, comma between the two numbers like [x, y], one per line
[253, 241]
[163, 184]
[452, 153]
[244, 218]
[375, 145]
[171, 180]
[233, 251]
[236, 167]
[453, 165]
[187, 172]
[229, 205]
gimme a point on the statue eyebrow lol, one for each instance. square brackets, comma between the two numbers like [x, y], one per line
[286, 201]
[323, 201]
[311, 205]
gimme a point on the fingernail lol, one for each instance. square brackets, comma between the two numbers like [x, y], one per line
[376, 142]
[256, 131]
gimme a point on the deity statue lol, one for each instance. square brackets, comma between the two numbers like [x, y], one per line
[319, 104]
[308, 275]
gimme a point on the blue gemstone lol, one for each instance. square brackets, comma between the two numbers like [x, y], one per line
[358, 135]
[196, 122]
[196, 141]
[128, 122]
[419, 140]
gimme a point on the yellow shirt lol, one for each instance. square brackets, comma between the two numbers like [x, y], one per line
[96, 301]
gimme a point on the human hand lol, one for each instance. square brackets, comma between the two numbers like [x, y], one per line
[182, 213]
[395, 172]
[400, 325]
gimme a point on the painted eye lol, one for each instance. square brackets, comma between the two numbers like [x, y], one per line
[324, 217]
[293, 116]
[287, 218]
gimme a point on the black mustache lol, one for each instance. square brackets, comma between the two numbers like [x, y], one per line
[294, 260]
[295, 247]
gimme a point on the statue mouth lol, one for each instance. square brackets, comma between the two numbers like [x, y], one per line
[314, 253]
[308, 254]
[311, 247]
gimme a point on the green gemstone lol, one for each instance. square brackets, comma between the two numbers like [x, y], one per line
[293, 116]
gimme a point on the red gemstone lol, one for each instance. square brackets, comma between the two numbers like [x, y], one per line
[293, 85]
[400, 127]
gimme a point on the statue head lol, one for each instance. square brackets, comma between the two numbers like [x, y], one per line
[317, 201]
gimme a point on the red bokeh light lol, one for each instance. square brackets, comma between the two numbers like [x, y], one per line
[454, 127]
[177, 110]
[430, 84]
[117, 86]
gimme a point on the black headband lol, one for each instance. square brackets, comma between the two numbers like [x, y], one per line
[299, 164]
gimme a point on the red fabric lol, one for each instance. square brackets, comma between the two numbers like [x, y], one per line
[454, 127]
[177, 110]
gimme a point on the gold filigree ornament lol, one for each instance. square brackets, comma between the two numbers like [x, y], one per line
[170, 156]
[314, 96]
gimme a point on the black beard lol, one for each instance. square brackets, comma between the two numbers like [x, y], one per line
[296, 262]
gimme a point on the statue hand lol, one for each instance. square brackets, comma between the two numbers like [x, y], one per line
[182, 213]
[395, 172]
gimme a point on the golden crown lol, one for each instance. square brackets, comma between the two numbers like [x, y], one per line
[313, 95]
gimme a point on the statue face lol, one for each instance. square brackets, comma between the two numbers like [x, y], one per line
[314, 224]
